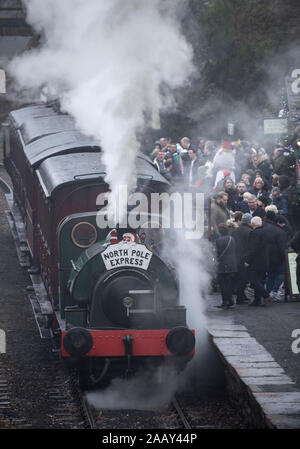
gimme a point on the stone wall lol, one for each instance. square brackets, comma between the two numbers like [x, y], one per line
[243, 400]
[257, 385]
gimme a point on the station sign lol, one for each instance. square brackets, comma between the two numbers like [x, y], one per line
[276, 126]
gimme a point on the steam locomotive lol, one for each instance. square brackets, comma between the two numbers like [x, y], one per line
[106, 294]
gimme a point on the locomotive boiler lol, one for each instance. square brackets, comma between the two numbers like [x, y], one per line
[107, 293]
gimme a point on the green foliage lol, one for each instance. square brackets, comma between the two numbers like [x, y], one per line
[237, 36]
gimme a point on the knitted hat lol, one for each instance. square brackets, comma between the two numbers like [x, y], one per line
[246, 218]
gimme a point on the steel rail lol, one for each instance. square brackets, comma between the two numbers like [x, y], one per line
[88, 413]
[179, 410]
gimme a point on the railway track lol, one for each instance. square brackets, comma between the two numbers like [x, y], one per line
[9, 417]
[43, 394]
[64, 407]
[189, 415]
[180, 413]
[67, 406]
[92, 415]
[88, 413]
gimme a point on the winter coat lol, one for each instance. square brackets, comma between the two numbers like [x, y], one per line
[287, 228]
[295, 242]
[282, 204]
[241, 237]
[283, 164]
[263, 196]
[219, 215]
[160, 167]
[266, 169]
[259, 211]
[231, 198]
[238, 202]
[226, 254]
[277, 244]
[241, 205]
[285, 201]
[257, 255]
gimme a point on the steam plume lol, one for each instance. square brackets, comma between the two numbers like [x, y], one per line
[107, 61]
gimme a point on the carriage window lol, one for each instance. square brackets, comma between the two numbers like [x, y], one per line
[84, 234]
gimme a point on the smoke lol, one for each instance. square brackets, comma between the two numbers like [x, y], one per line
[113, 65]
[134, 394]
[192, 261]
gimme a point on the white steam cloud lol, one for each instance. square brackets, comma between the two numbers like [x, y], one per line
[114, 65]
[108, 61]
[193, 264]
[139, 393]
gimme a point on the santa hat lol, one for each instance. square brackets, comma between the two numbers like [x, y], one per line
[227, 146]
[226, 173]
[112, 237]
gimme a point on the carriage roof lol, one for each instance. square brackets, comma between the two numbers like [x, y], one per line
[60, 153]
[86, 167]
[45, 133]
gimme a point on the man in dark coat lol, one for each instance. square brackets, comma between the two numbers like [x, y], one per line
[192, 167]
[277, 244]
[177, 165]
[283, 222]
[295, 244]
[241, 188]
[253, 208]
[227, 264]
[281, 202]
[159, 164]
[241, 237]
[256, 262]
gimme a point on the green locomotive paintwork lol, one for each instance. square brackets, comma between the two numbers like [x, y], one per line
[79, 269]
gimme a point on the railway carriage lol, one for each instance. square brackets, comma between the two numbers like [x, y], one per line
[111, 297]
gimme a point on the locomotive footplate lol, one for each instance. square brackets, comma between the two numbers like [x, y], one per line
[133, 343]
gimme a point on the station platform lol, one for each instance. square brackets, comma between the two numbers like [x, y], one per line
[256, 345]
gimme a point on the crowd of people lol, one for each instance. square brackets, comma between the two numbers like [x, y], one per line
[250, 211]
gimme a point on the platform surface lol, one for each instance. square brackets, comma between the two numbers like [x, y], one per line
[257, 343]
